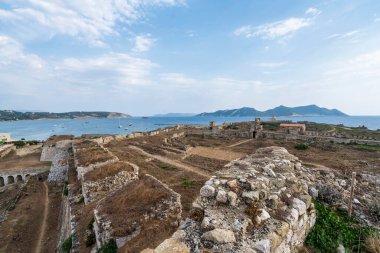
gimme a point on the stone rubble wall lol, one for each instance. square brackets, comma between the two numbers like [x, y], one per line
[6, 149]
[95, 190]
[103, 226]
[49, 151]
[82, 170]
[256, 204]
[320, 138]
[60, 162]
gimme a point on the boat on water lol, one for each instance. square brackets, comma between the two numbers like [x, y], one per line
[120, 126]
[126, 128]
[130, 124]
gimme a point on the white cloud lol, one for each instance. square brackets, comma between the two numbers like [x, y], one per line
[343, 35]
[177, 78]
[362, 66]
[377, 19]
[313, 11]
[272, 64]
[90, 21]
[143, 43]
[274, 30]
[278, 29]
[11, 53]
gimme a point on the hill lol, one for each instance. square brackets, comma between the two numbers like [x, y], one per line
[308, 110]
[8, 115]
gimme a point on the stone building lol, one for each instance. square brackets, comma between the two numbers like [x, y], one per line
[5, 137]
[293, 128]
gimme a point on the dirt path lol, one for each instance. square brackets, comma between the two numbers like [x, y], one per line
[173, 162]
[238, 143]
[44, 221]
[214, 153]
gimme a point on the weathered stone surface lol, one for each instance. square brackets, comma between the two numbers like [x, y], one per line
[221, 196]
[207, 191]
[263, 246]
[299, 205]
[253, 194]
[219, 236]
[232, 198]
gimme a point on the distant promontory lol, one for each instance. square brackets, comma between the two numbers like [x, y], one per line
[10, 115]
[308, 110]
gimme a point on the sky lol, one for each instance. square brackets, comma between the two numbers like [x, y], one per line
[146, 57]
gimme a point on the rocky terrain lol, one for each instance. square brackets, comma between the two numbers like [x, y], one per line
[192, 193]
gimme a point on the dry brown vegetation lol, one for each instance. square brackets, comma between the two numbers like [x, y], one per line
[92, 155]
[56, 138]
[108, 170]
[137, 199]
[19, 233]
[14, 162]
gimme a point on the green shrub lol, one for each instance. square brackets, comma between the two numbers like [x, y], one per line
[333, 228]
[67, 244]
[301, 146]
[19, 144]
[90, 224]
[90, 238]
[109, 247]
[65, 189]
[186, 183]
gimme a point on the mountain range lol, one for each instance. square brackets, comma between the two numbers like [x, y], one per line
[308, 110]
[7, 115]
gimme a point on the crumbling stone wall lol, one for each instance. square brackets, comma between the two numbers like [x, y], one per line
[95, 190]
[256, 204]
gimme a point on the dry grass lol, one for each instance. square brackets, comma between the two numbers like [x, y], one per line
[372, 243]
[135, 199]
[88, 156]
[107, 171]
[127, 209]
[208, 164]
[56, 138]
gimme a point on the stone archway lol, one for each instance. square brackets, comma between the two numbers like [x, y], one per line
[2, 183]
[10, 180]
[18, 178]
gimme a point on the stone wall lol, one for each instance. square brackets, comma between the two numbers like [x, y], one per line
[95, 190]
[168, 211]
[6, 149]
[8, 177]
[318, 138]
[50, 150]
[256, 204]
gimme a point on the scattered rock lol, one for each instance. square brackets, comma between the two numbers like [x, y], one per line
[219, 236]
[207, 191]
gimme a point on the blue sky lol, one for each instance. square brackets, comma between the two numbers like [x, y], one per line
[147, 57]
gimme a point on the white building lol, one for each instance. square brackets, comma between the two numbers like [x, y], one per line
[6, 137]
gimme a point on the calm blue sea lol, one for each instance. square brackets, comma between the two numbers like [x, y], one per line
[42, 129]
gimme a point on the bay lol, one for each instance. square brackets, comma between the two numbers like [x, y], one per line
[42, 129]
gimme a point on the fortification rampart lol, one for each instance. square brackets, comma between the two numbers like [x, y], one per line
[8, 177]
[6, 149]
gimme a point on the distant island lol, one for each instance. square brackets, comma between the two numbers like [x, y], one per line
[9, 115]
[308, 110]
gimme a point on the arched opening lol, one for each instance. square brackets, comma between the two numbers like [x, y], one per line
[11, 179]
[27, 176]
[2, 182]
[19, 178]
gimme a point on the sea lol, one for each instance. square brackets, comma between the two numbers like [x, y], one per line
[42, 129]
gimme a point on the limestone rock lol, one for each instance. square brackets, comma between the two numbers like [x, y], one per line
[221, 196]
[340, 249]
[219, 236]
[263, 246]
[207, 191]
[232, 198]
[299, 205]
[252, 195]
